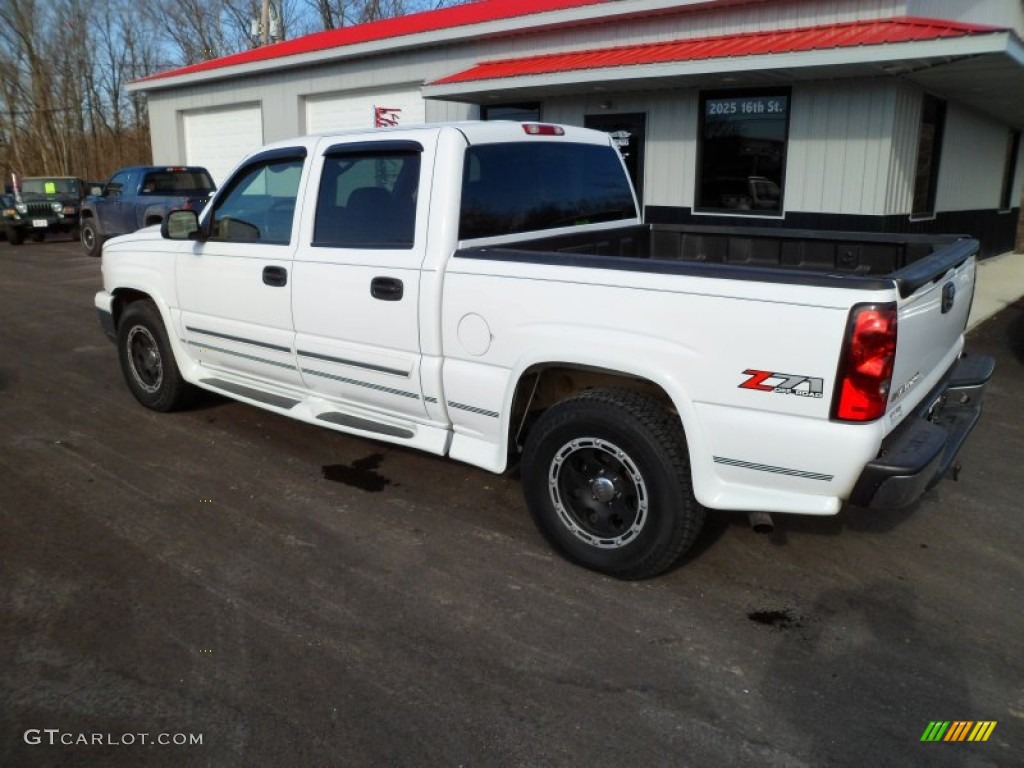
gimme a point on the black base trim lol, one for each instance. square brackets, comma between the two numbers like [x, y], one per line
[995, 230]
[107, 323]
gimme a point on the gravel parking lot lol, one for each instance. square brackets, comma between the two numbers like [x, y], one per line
[297, 597]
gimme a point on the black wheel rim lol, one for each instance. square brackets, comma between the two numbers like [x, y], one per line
[144, 359]
[88, 237]
[598, 492]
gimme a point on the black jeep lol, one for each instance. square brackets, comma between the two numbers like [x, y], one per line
[46, 204]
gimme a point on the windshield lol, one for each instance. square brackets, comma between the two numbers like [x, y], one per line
[534, 185]
[43, 187]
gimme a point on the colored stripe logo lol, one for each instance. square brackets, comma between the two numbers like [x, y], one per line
[958, 730]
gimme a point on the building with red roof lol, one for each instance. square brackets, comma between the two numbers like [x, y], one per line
[895, 115]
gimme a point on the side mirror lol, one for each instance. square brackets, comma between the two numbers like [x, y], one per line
[180, 225]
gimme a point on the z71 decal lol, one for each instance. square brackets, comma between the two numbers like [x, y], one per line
[783, 383]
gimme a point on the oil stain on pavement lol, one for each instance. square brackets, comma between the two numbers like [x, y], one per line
[361, 473]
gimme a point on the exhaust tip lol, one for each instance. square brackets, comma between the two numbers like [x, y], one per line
[761, 522]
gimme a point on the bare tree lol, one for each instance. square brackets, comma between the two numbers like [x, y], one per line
[200, 29]
[30, 90]
[64, 65]
[333, 14]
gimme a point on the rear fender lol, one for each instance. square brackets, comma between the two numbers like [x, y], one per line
[153, 214]
[481, 397]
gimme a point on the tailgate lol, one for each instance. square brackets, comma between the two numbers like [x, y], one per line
[930, 326]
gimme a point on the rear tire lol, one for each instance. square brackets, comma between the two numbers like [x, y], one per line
[606, 476]
[147, 361]
[92, 241]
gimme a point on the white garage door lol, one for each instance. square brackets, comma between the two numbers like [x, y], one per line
[366, 110]
[218, 138]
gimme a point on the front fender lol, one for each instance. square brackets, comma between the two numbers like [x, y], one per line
[143, 263]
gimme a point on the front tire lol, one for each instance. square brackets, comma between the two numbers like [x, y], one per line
[92, 241]
[606, 477]
[147, 361]
[15, 236]
[38, 237]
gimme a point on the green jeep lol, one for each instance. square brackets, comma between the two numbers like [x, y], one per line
[47, 204]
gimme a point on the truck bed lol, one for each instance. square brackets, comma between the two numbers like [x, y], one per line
[800, 256]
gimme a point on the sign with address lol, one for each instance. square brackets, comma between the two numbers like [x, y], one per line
[748, 106]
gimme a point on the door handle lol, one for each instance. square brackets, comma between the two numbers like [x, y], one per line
[387, 288]
[275, 276]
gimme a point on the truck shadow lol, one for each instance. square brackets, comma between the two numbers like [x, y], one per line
[849, 518]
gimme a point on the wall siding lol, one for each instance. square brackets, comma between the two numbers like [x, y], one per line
[973, 159]
[904, 154]
[839, 147]
[166, 132]
[672, 149]
[669, 173]
[998, 13]
[691, 23]
[450, 111]
[282, 94]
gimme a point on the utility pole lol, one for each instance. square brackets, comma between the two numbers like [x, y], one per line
[265, 23]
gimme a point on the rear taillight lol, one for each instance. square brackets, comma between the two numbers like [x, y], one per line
[543, 129]
[865, 364]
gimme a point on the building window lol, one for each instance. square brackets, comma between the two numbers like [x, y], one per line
[1006, 200]
[521, 113]
[929, 151]
[742, 151]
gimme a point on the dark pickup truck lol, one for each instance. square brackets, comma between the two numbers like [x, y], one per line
[44, 205]
[139, 197]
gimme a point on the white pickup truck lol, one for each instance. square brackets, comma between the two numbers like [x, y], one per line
[488, 291]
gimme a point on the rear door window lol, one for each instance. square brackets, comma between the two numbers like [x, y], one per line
[367, 199]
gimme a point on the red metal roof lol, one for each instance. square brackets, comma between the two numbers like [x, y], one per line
[858, 33]
[427, 21]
